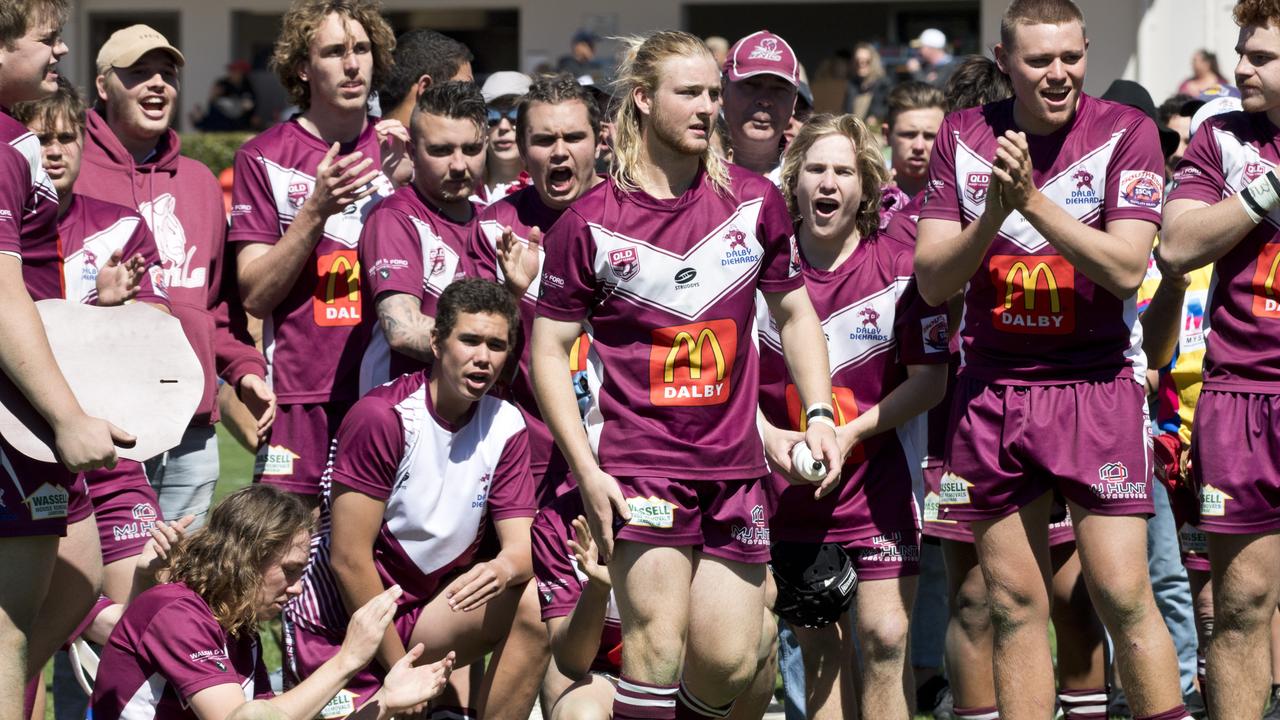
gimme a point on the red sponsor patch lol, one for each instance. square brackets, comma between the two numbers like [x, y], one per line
[692, 364]
[336, 302]
[1035, 294]
[842, 403]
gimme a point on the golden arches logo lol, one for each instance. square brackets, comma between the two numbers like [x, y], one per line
[695, 348]
[1270, 284]
[341, 267]
[1030, 280]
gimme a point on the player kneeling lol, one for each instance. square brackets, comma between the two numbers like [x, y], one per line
[888, 351]
[419, 464]
[189, 648]
[582, 618]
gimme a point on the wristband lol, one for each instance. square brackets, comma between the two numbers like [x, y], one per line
[1261, 196]
[820, 408]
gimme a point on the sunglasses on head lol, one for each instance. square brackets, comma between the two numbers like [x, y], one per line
[495, 116]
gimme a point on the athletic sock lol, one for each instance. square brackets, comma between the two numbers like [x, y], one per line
[635, 700]
[689, 707]
[1090, 704]
[1174, 713]
[976, 713]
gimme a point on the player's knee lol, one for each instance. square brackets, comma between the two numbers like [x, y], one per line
[1012, 609]
[883, 638]
[971, 612]
[580, 708]
[1245, 605]
[1123, 605]
[728, 671]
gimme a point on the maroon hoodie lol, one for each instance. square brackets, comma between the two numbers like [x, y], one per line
[182, 202]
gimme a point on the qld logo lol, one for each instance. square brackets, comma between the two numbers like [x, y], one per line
[298, 193]
[625, 263]
[437, 261]
[1253, 171]
[976, 185]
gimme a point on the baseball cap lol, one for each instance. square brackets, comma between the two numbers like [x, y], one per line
[931, 38]
[505, 82]
[805, 93]
[1216, 106]
[127, 45]
[1191, 107]
[762, 53]
[1128, 92]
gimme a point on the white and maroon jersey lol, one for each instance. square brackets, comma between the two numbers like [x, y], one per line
[313, 340]
[876, 324]
[28, 202]
[166, 648]
[1243, 316]
[88, 233]
[408, 246]
[560, 581]
[667, 289]
[438, 480]
[1030, 317]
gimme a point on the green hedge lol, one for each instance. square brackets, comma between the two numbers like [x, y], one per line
[217, 150]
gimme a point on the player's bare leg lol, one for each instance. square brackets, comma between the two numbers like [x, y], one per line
[652, 587]
[753, 702]
[828, 652]
[588, 699]
[1244, 598]
[1082, 667]
[883, 617]
[24, 557]
[1113, 553]
[76, 581]
[518, 666]
[1014, 553]
[968, 646]
[1202, 605]
[725, 606]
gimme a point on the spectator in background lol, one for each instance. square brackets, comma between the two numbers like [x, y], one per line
[503, 170]
[914, 116]
[936, 64]
[800, 115]
[1171, 114]
[761, 80]
[1204, 74]
[232, 102]
[868, 95]
[719, 48]
[582, 59]
[421, 58]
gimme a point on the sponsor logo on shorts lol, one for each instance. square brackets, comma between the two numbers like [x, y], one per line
[278, 460]
[625, 263]
[1035, 294]
[1193, 540]
[1083, 193]
[953, 490]
[757, 533]
[692, 364]
[975, 186]
[892, 547]
[1114, 484]
[336, 302]
[1266, 294]
[1140, 189]
[1213, 502]
[47, 502]
[342, 705]
[932, 510]
[933, 330]
[144, 519]
[651, 512]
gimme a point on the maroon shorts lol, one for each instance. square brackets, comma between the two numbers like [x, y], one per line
[79, 504]
[723, 518]
[306, 649]
[1010, 444]
[1194, 545]
[295, 455]
[888, 555]
[1235, 442]
[126, 509]
[35, 497]
[1061, 532]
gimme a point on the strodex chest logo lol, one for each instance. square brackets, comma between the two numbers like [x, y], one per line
[976, 185]
[1035, 294]
[692, 365]
[336, 302]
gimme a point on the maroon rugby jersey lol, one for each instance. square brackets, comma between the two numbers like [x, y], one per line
[876, 324]
[1030, 317]
[560, 582]
[315, 337]
[28, 202]
[1243, 349]
[408, 246]
[667, 289]
[166, 648]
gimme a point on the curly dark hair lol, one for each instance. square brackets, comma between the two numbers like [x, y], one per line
[474, 295]
[554, 90]
[298, 30]
[1257, 12]
[223, 561]
[17, 16]
[418, 53]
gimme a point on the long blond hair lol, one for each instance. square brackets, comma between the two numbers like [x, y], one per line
[640, 69]
[870, 164]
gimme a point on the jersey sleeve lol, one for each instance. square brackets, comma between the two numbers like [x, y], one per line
[254, 216]
[780, 266]
[1200, 175]
[261, 676]
[370, 446]
[390, 248]
[188, 648]
[558, 584]
[511, 495]
[921, 329]
[941, 200]
[569, 282]
[482, 255]
[15, 186]
[1135, 177]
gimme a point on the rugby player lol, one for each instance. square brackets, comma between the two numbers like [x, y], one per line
[301, 194]
[1051, 183]
[189, 648]
[420, 464]
[133, 158]
[915, 113]
[1236, 417]
[415, 243]
[674, 378]
[761, 78]
[889, 354]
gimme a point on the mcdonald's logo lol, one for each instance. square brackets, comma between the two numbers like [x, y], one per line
[692, 364]
[843, 404]
[336, 302]
[1266, 293]
[1035, 294]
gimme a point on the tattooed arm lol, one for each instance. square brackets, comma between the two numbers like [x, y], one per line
[407, 329]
